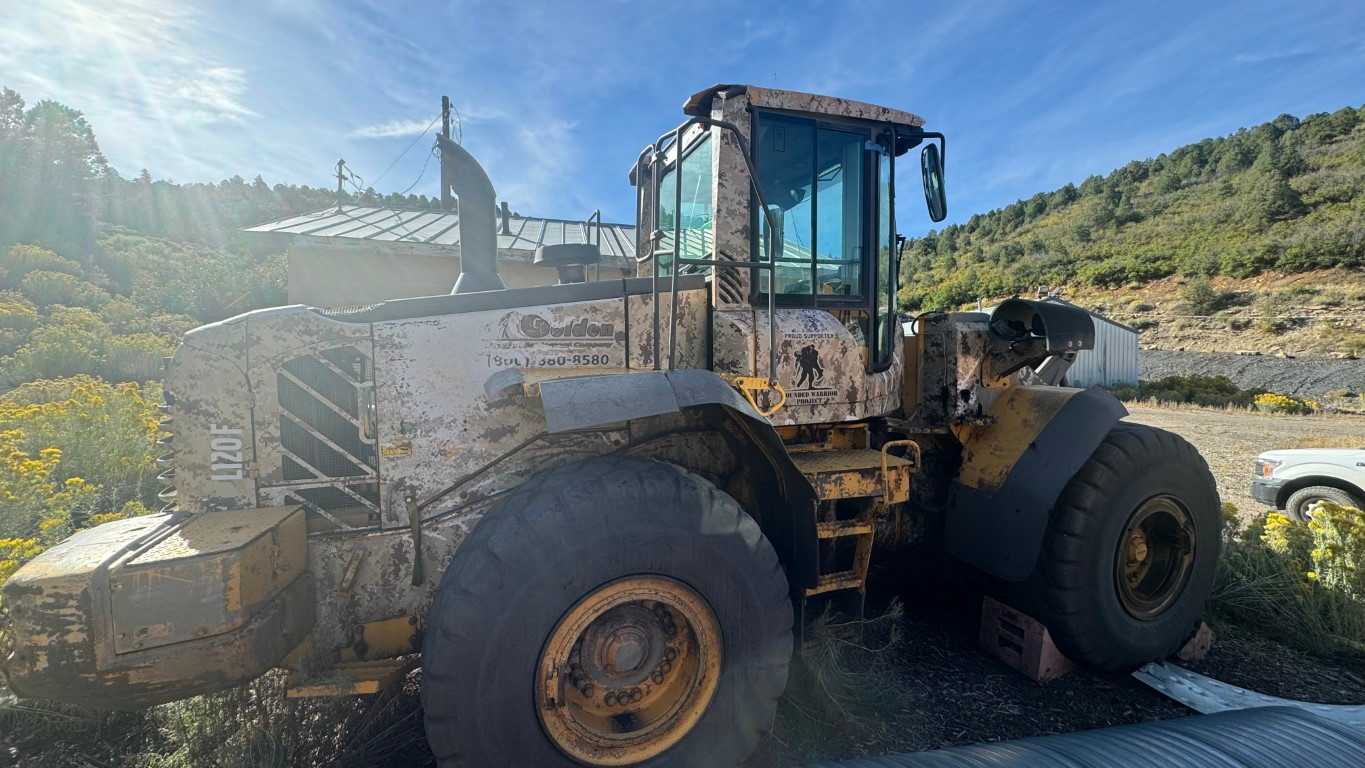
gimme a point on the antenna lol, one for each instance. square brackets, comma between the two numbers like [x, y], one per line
[447, 202]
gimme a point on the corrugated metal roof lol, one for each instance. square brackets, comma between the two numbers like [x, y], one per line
[397, 225]
[1093, 313]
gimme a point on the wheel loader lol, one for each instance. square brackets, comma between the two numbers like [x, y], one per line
[600, 510]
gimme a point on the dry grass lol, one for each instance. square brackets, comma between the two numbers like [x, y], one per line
[840, 679]
[252, 725]
[1330, 441]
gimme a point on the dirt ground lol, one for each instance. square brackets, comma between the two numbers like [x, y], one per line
[1230, 440]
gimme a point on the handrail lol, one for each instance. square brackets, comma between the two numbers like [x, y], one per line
[652, 155]
[595, 219]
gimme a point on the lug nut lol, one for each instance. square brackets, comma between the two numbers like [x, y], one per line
[658, 676]
[636, 694]
[586, 690]
[670, 654]
[610, 699]
[666, 667]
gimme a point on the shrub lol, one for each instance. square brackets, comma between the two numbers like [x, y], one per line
[17, 320]
[73, 341]
[1295, 583]
[16, 552]
[1202, 297]
[1338, 548]
[1274, 402]
[136, 357]
[1208, 391]
[48, 288]
[74, 449]
[22, 259]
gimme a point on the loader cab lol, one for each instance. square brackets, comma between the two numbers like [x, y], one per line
[825, 168]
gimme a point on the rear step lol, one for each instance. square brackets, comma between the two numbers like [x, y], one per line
[874, 480]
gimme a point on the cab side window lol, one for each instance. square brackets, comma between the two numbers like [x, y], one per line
[694, 216]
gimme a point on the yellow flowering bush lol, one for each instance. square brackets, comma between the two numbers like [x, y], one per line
[1338, 547]
[16, 552]
[1274, 402]
[74, 453]
[71, 341]
[1288, 538]
[47, 288]
[21, 260]
[1301, 582]
[18, 317]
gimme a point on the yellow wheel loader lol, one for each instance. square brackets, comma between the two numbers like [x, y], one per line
[598, 510]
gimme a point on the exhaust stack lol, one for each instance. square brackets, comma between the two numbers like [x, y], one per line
[462, 174]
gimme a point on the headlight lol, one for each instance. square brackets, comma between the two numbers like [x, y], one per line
[1266, 467]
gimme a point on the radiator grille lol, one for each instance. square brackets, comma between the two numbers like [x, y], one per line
[329, 465]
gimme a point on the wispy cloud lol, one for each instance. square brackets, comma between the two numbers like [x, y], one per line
[140, 68]
[1263, 57]
[393, 129]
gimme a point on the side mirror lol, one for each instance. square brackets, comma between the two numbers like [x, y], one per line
[931, 166]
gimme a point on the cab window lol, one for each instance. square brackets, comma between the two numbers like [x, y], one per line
[885, 285]
[694, 217]
[817, 175]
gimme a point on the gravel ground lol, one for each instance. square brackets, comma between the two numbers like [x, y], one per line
[1305, 377]
[1230, 440]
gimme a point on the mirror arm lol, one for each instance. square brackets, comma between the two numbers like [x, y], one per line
[942, 148]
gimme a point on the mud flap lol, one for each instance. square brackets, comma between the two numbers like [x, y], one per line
[1013, 469]
[152, 609]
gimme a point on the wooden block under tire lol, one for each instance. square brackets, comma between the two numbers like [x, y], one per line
[1021, 641]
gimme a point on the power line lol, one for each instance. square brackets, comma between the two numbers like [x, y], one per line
[423, 173]
[419, 137]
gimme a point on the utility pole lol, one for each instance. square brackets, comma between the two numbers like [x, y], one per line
[341, 177]
[447, 202]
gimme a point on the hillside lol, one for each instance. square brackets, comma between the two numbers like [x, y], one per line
[1286, 196]
[1317, 313]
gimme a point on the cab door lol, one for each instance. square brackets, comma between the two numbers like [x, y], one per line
[838, 341]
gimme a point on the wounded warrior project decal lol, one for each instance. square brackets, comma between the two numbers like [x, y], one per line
[533, 340]
[805, 371]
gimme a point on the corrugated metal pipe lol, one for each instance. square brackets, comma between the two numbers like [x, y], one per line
[1266, 737]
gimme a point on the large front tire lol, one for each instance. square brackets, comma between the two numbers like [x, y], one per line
[617, 611]
[1131, 550]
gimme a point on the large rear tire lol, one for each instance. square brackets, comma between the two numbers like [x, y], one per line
[1131, 551]
[617, 611]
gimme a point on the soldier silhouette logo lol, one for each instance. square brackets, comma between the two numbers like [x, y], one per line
[808, 360]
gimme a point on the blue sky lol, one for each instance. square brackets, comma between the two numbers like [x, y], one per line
[557, 98]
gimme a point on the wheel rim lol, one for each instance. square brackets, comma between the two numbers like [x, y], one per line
[628, 671]
[1155, 557]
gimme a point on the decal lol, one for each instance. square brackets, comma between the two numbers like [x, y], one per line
[533, 328]
[532, 340]
[225, 453]
[808, 389]
[396, 450]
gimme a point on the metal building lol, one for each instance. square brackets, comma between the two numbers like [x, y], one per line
[354, 255]
[1113, 361]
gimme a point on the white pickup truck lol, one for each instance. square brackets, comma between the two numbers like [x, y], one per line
[1294, 479]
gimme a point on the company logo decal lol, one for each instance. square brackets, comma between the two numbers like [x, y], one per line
[534, 328]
